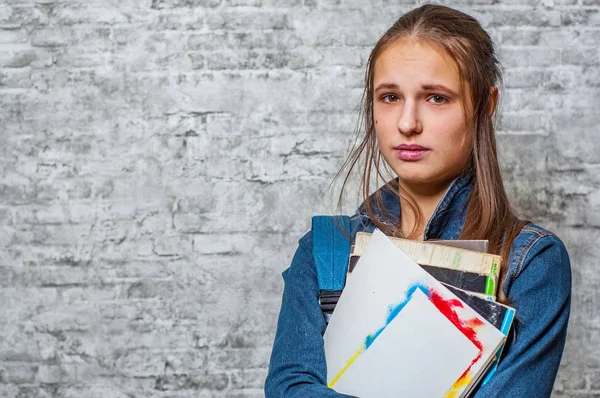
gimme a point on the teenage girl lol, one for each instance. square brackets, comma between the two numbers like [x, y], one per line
[431, 89]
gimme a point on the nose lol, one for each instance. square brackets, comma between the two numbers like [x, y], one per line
[409, 122]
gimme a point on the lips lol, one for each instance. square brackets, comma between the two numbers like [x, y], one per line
[413, 147]
[411, 152]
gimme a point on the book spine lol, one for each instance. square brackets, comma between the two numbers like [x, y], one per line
[505, 328]
[439, 255]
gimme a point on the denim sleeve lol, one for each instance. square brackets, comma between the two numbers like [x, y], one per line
[541, 294]
[297, 367]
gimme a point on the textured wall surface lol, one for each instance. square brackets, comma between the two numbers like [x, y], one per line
[159, 160]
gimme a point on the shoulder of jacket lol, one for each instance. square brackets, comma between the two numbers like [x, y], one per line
[531, 240]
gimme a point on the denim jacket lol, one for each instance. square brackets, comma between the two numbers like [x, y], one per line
[538, 284]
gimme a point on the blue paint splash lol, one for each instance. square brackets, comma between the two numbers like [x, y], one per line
[395, 310]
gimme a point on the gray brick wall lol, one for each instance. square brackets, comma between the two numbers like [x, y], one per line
[159, 160]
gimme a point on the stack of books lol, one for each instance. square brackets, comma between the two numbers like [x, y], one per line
[415, 319]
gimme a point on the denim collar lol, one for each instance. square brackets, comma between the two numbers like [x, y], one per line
[447, 219]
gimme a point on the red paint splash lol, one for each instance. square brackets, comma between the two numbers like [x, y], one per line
[446, 307]
[467, 328]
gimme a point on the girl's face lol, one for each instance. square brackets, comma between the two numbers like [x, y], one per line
[419, 119]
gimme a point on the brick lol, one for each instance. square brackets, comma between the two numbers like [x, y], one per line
[517, 154]
[579, 16]
[17, 16]
[584, 147]
[540, 99]
[594, 216]
[247, 393]
[529, 57]
[15, 36]
[233, 19]
[51, 37]
[172, 245]
[236, 358]
[263, 3]
[5, 12]
[17, 58]
[516, 17]
[160, 4]
[193, 19]
[19, 373]
[520, 36]
[67, 14]
[542, 202]
[214, 244]
[560, 79]
[587, 58]
[246, 379]
[560, 37]
[246, 60]
[140, 364]
[8, 390]
[38, 392]
[531, 122]
[578, 394]
[245, 39]
[49, 374]
[326, 31]
[19, 78]
[574, 382]
[594, 377]
[524, 77]
[92, 391]
[589, 37]
[201, 381]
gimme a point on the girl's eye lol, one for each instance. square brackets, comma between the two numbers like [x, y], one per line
[389, 98]
[437, 99]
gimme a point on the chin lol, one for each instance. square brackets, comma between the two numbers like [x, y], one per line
[415, 178]
[423, 178]
[432, 183]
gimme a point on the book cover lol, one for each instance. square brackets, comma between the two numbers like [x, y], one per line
[465, 280]
[434, 254]
[397, 331]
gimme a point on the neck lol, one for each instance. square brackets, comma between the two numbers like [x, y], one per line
[424, 199]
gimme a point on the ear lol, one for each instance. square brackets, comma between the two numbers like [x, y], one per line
[492, 100]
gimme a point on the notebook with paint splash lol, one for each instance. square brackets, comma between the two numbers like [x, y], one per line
[397, 331]
[499, 315]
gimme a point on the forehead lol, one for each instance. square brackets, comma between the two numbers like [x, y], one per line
[408, 61]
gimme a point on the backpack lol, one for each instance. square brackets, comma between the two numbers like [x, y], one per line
[331, 251]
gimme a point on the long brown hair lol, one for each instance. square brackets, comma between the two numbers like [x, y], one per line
[489, 213]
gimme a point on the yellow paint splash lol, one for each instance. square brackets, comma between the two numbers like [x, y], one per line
[341, 372]
[459, 385]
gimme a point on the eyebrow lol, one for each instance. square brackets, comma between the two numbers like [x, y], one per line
[427, 87]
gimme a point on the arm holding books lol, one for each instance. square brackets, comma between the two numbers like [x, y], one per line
[297, 367]
[539, 285]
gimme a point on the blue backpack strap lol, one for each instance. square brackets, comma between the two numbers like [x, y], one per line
[331, 250]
